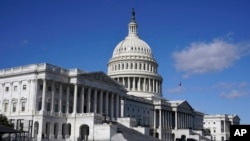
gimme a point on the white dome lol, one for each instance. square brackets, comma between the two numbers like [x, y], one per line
[133, 65]
[132, 46]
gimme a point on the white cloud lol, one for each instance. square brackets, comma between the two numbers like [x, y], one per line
[227, 86]
[176, 90]
[202, 57]
[234, 94]
[232, 90]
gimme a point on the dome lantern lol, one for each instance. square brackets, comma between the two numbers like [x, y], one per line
[132, 26]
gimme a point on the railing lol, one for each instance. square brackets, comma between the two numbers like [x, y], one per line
[37, 67]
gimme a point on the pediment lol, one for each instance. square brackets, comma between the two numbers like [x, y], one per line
[185, 105]
[23, 99]
[236, 117]
[14, 99]
[101, 77]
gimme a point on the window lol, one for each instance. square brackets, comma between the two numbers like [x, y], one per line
[24, 87]
[49, 89]
[6, 89]
[15, 88]
[57, 90]
[5, 107]
[56, 107]
[64, 108]
[14, 107]
[21, 126]
[48, 106]
[39, 105]
[23, 106]
[41, 87]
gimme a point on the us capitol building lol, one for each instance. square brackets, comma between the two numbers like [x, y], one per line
[57, 104]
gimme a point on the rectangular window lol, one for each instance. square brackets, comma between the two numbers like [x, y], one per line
[14, 107]
[15, 88]
[48, 106]
[49, 89]
[64, 108]
[5, 107]
[41, 87]
[39, 105]
[23, 106]
[57, 90]
[24, 87]
[6, 89]
[56, 108]
[21, 126]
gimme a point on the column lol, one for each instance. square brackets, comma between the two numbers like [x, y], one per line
[107, 104]
[10, 102]
[153, 85]
[82, 99]
[101, 102]
[95, 101]
[75, 99]
[60, 99]
[122, 107]
[139, 84]
[123, 81]
[18, 101]
[129, 83]
[149, 85]
[53, 97]
[133, 83]
[67, 100]
[160, 123]
[88, 100]
[154, 118]
[160, 119]
[176, 120]
[156, 86]
[34, 101]
[169, 120]
[144, 84]
[59, 130]
[163, 119]
[51, 136]
[43, 95]
[117, 105]
[1, 105]
[112, 106]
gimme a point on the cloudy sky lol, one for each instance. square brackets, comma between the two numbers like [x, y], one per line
[203, 45]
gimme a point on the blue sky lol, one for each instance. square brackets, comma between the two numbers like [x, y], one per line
[205, 45]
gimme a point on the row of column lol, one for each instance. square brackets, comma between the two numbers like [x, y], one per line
[184, 120]
[133, 66]
[164, 118]
[141, 84]
[101, 102]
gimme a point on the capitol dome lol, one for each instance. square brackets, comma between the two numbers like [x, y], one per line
[132, 46]
[133, 65]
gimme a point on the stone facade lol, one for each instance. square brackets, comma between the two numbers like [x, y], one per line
[219, 125]
[55, 103]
